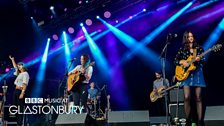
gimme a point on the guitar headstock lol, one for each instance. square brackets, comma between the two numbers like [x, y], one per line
[178, 84]
[216, 47]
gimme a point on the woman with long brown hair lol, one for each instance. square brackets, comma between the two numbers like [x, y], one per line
[195, 81]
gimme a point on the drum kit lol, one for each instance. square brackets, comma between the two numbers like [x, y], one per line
[94, 108]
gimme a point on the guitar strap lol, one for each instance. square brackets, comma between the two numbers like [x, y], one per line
[194, 53]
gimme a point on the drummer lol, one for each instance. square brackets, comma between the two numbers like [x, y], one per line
[92, 92]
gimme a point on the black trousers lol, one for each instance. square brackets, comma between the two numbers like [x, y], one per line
[80, 95]
[160, 107]
[20, 104]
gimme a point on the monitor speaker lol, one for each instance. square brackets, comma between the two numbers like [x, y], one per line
[71, 119]
[128, 118]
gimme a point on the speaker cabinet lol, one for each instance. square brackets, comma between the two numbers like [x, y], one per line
[71, 120]
[176, 95]
[214, 116]
[159, 119]
[177, 111]
[128, 118]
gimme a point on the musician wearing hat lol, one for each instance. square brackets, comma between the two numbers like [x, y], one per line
[21, 83]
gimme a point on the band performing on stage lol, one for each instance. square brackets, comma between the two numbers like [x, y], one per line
[111, 63]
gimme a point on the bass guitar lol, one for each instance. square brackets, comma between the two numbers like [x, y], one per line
[154, 95]
[74, 78]
[181, 72]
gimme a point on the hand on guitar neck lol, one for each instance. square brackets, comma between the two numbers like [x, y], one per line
[186, 66]
[159, 93]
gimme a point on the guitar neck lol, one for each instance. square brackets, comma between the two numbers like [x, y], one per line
[170, 88]
[201, 55]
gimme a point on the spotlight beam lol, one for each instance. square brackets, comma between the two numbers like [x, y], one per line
[144, 53]
[66, 47]
[215, 35]
[98, 55]
[150, 37]
[41, 73]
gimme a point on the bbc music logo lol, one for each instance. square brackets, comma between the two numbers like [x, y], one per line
[34, 100]
[45, 100]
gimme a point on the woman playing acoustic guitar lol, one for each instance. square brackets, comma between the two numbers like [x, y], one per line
[78, 79]
[195, 79]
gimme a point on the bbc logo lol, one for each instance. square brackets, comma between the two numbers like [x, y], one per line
[34, 100]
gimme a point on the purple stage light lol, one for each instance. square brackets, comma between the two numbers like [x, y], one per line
[7, 70]
[55, 37]
[65, 9]
[89, 22]
[107, 14]
[99, 30]
[71, 30]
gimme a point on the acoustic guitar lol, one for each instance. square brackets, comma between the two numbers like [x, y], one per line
[154, 95]
[181, 72]
[74, 79]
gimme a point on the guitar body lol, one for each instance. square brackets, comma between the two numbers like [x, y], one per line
[182, 73]
[154, 95]
[73, 80]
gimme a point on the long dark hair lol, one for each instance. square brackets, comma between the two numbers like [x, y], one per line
[86, 59]
[186, 42]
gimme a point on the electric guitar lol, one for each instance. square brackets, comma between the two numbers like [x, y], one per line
[73, 79]
[154, 95]
[182, 72]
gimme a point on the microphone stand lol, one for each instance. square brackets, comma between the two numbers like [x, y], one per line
[163, 64]
[63, 79]
[4, 87]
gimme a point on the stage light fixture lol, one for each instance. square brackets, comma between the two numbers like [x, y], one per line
[55, 37]
[107, 14]
[51, 7]
[89, 22]
[71, 30]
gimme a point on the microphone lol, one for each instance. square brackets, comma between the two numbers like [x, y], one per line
[171, 36]
[72, 59]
